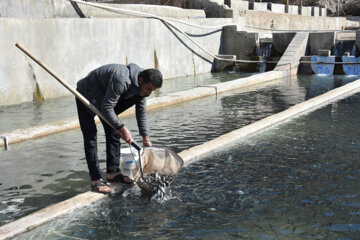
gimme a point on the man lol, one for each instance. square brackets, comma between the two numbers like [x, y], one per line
[112, 89]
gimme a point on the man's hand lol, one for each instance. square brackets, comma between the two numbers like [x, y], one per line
[146, 141]
[126, 135]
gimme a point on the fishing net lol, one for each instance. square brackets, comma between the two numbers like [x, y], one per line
[159, 168]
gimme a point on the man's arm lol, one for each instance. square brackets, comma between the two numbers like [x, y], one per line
[141, 118]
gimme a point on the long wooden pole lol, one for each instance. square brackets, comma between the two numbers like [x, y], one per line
[72, 90]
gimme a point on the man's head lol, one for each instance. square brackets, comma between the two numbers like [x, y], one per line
[149, 80]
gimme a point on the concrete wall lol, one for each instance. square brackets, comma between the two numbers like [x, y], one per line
[212, 8]
[256, 6]
[292, 9]
[277, 8]
[254, 20]
[323, 12]
[240, 5]
[318, 41]
[358, 39]
[315, 11]
[355, 25]
[73, 47]
[305, 11]
[64, 9]
[237, 43]
[282, 40]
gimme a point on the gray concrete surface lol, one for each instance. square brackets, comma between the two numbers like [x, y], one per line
[239, 43]
[324, 52]
[323, 12]
[292, 9]
[290, 60]
[352, 25]
[83, 44]
[315, 11]
[258, 6]
[73, 47]
[305, 11]
[64, 9]
[47, 214]
[212, 8]
[345, 36]
[282, 40]
[221, 65]
[240, 5]
[259, 20]
[277, 8]
[320, 41]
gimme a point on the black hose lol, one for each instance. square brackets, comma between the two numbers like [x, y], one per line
[78, 10]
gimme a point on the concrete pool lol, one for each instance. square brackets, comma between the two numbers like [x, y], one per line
[174, 128]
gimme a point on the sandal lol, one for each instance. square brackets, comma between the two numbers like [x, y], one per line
[96, 187]
[121, 179]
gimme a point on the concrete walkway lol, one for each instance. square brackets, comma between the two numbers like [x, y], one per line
[47, 214]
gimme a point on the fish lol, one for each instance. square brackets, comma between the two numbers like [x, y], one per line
[156, 185]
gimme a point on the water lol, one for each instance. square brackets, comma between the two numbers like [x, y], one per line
[34, 113]
[296, 181]
[37, 173]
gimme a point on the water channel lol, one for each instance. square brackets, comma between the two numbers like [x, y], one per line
[33, 113]
[254, 189]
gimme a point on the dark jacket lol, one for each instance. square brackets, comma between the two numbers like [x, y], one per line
[106, 86]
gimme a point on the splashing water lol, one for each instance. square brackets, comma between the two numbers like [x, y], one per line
[158, 186]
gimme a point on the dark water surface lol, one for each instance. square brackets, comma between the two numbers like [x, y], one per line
[205, 194]
[33, 113]
[298, 181]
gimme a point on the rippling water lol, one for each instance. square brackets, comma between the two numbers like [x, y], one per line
[296, 181]
[33, 113]
[52, 169]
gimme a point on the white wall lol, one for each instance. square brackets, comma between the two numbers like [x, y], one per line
[277, 8]
[73, 47]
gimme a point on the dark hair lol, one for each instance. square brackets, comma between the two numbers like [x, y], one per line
[153, 76]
